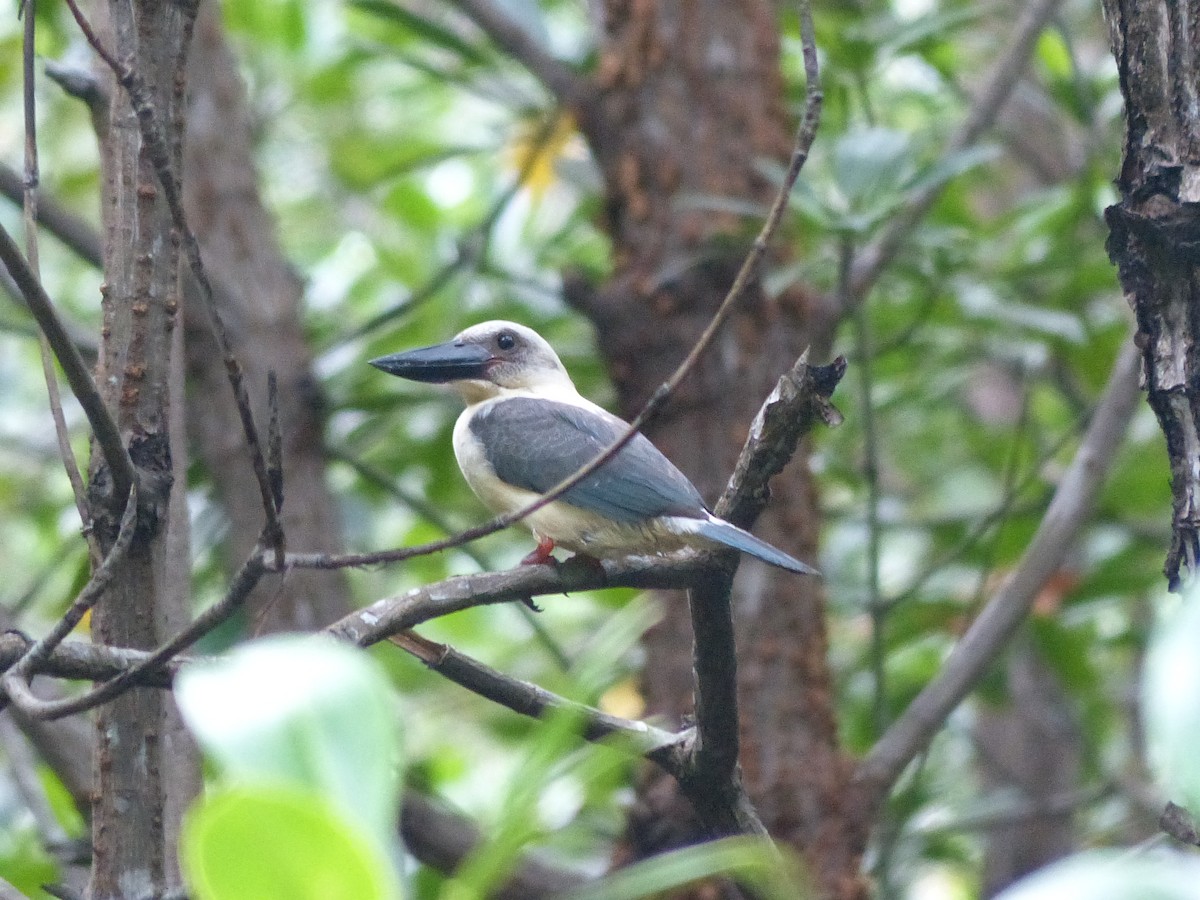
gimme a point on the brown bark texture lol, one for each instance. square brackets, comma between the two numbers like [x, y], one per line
[146, 769]
[689, 98]
[1155, 233]
[259, 297]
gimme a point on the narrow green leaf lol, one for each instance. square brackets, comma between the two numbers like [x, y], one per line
[749, 859]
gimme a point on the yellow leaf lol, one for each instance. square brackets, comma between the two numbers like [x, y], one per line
[624, 699]
[536, 148]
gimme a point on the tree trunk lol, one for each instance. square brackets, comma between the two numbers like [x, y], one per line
[1155, 231]
[262, 305]
[146, 768]
[691, 98]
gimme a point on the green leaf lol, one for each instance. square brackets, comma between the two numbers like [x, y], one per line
[871, 163]
[754, 861]
[1054, 54]
[261, 843]
[303, 711]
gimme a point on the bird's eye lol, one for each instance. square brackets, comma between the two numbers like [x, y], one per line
[505, 340]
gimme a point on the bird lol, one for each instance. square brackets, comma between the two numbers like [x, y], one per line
[526, 428]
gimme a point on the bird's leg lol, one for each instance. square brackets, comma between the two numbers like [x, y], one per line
[541, 555]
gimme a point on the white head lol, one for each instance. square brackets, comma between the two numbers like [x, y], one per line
[487, 360]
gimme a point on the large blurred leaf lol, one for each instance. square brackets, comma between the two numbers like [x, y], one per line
[1171, 700]
[301, 711]
[1111, 876]
[280, 843]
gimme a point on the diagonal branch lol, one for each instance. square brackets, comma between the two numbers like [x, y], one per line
[988, 635]
[806, 133]
[108, 436]
[567, 86]
[15, 681]
[74, 231]
[666, 748]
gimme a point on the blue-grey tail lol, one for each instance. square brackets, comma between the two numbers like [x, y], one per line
[722, 532]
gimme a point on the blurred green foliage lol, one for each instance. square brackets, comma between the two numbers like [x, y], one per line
[390, 144]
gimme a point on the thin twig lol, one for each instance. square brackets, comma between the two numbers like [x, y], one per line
[997, 87]
[990, 632]
[15, 680]
[29, 200]
[108, 436]
[161, 155]
[664, 747]
[805, 135]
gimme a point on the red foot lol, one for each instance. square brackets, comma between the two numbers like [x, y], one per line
[541, 556]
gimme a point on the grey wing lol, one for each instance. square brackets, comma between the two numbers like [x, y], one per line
[535, 444]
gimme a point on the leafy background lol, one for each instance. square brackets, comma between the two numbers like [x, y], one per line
[422, 183]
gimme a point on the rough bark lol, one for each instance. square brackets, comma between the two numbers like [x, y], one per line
[261, 303]
[690, 98]
[1155, 232]
[138, 790]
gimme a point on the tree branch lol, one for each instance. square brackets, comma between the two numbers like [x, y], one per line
[15, 680]
[390, 616]
[663, 747]
[443, 839]
[567, 86]
[108, 436]
[799, 400]
[74, 231]
[990, 632]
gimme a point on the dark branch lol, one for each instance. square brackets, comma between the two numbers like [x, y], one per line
[800, 400]
[392, 615]
[1179, 824]
[567, 86]
[663, 747]
[443, 840]
[108, 436]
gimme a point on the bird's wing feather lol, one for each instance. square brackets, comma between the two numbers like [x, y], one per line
[534, 444]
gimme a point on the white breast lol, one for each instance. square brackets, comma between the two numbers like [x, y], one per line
[568, 526]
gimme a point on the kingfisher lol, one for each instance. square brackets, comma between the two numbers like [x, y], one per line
[526, 428]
